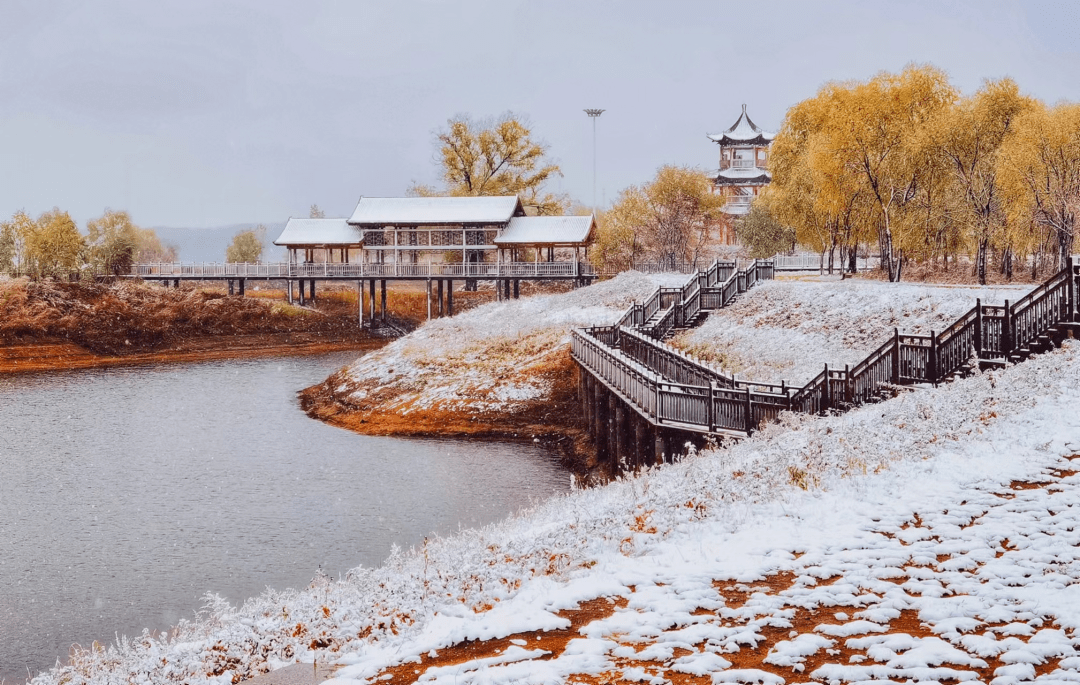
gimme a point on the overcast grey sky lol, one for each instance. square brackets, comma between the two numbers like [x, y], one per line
[197, 113]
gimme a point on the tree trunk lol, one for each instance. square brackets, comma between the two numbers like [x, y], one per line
[980, 260]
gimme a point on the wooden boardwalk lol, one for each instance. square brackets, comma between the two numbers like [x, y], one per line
[642, 398]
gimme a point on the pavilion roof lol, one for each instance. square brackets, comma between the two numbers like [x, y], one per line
[435, 211]
[319, 232]
[546, 230]
[743, 132]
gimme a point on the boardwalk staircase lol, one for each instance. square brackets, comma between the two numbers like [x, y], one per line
[633, 384]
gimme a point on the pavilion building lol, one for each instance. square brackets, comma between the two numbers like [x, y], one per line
[743, 173]
[439, 239]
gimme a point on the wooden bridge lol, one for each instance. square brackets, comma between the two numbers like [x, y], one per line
[642, 399]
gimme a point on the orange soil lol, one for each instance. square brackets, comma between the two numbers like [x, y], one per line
[59, 355]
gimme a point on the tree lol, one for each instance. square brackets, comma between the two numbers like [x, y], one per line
[53, 245]
[670, 219]
[316, 213]
[246, 246]
[873, 134]
[495, 157]
[14, 235]
[762, 232]
[969, 137]
[1039, 167]
[150, 250]
[112, 242]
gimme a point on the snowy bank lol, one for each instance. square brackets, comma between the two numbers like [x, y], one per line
[789, 329]
[900, 518]
[485, 359]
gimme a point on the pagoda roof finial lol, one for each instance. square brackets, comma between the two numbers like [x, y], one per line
[743, 130]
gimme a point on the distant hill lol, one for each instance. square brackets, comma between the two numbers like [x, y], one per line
[208, 244]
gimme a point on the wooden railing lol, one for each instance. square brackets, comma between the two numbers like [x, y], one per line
[670, 388]
[485, 270]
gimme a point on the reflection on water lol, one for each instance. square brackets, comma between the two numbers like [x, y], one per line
[127, 494]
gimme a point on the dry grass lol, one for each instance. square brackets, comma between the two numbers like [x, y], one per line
[131, 317]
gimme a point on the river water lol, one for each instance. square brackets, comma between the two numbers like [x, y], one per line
[128, 494]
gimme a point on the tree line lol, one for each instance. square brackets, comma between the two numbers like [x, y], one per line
[51, 245]
[905, 166]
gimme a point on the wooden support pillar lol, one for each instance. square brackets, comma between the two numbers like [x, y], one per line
[660, 449]
[450, 297]
[176, 283]
[230, 281]
[600, 423]
[288, 290]
[517, 288]
[371, 303]
[428, 293]
[614, 415]
[641, 434]
[303, 291]
[382, 299]
[242, 282]
[441, 308]
[622, 450]
[360, 303]
[313, 291]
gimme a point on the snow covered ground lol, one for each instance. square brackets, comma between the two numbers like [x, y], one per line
[899, 541]
[488, 358]
[788, 329]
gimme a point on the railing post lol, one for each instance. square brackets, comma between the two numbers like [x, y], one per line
[978, 329]
[896, 357]
[1074, 286]
[1006, 332]
[849, 391]
[749, 412]
[709, 408]
[826, 392]
[932, 366]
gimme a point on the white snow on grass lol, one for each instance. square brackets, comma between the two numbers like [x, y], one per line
[789, 329]
[490, 358]
[900, 515]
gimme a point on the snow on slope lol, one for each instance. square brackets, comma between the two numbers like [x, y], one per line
[789, 329]
[487, 358]
[892, 510]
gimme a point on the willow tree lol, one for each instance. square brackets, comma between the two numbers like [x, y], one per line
[112, 241]
[53, 245]
[496, 157]
[874, 133]
[813, 191]
[671, 219]
[969, 136]
[1039, 168]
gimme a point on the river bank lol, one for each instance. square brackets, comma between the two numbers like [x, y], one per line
[55, 326]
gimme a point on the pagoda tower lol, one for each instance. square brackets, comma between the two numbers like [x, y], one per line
[744, 152]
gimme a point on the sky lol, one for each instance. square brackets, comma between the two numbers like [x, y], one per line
[199, 113]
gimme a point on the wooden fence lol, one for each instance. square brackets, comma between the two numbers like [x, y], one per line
[669, 388]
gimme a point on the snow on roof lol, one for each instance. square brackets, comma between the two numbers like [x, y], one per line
[415, 211]
[743, 131]
[319, 232]
[742, 174]
[546, 230]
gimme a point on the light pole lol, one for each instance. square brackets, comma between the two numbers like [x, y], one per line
[594, 114]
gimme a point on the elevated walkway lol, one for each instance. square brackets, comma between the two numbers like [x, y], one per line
[632, 383]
